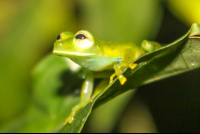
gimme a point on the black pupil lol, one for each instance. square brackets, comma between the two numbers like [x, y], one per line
[58, 37]
[80, 36]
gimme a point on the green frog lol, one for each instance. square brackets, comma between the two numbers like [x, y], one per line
[98, 56]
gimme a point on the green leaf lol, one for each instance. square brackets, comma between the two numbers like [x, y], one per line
[50, 106]
[180, 56]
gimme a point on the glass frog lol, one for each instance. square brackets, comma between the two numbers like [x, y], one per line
[96, 55]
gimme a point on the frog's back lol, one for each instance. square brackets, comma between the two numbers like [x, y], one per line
[113, 52]
[117, 49]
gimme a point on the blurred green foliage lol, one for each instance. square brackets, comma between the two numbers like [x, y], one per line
[31, 28]
[28, 30]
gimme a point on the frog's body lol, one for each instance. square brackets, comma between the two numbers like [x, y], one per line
[95, 55]
[102, 56]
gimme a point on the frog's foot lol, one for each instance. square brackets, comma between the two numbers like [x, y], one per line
[119, 72]
[74, 110]
[150, 46]
[121, 78]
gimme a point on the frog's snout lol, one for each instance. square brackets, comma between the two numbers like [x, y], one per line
[57, 47]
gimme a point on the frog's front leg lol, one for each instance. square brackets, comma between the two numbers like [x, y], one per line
[127, 58]
[86, 93]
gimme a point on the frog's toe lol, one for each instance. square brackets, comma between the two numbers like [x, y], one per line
[111, 78]
[74, 110]
[69, 120]
[122, 79]
[132, 65]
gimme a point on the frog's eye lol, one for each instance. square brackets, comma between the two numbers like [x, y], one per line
[83, 40]
[64, 35]
[58, 37]
[80, 36]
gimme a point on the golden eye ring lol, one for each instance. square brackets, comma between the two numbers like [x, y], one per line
[83, 40]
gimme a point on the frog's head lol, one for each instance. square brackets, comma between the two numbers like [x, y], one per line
[81, 44]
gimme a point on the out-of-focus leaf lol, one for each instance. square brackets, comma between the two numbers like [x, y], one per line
[177, 57]
[113, 20]
[187, 10]
[51, 104]
[104, 118]
[137, 118]
[29, 34]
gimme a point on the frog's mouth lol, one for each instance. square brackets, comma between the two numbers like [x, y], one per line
[61, 53]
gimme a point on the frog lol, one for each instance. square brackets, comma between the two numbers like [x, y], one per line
[97, 56]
